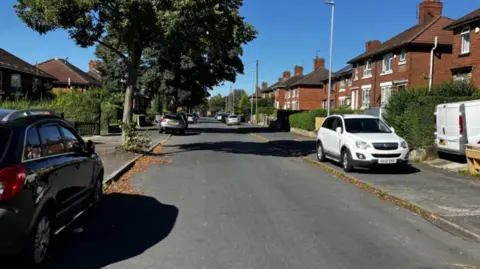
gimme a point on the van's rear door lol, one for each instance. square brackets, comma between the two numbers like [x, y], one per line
[448, 128]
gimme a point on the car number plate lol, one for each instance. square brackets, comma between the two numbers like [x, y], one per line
[443, 142]
[172, 123]
[387, 161]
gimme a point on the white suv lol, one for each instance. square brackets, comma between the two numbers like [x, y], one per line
[360, 141]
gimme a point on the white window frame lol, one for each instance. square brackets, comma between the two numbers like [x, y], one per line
[464, 46]
[366, 91]
[294, 93]
[342, 85]
[356, 72]
[387, 62]
[367, 69]
[13, 76]
[342, 101]
[402, 59]
[350, 82]
[386, 93]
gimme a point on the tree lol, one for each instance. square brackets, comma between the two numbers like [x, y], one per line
[217, 103]
[238, 94]
[128, 27]
[244, 106]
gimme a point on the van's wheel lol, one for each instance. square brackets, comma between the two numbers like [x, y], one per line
[40, 240]
[347, 161]
[320, 152]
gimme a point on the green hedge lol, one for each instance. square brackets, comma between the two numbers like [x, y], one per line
[411, 112]
[90, 106]
[306, 120]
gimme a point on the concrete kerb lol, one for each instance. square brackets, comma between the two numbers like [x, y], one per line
[438, 221]
[119, 172]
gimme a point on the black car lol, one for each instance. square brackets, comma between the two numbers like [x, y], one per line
[48, 178]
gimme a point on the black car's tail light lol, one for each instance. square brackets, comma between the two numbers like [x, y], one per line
[12, 180]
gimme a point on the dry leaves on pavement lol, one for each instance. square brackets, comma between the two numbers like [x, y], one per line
[123, 184]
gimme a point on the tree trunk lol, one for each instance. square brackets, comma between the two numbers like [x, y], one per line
[131, 83]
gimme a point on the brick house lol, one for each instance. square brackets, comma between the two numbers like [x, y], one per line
[68, 76]
[404, 60]
[19, 78]
[93, 72]
[308, 93]
[466, 47]
[341, 90]
[283, 84]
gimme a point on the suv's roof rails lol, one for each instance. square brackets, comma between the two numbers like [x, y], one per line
[9, 115]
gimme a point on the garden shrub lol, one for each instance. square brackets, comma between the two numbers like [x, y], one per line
[411, 112]
[306, 120]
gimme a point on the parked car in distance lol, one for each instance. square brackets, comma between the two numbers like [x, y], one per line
[219, 116]
[173, 123]
[457, 124]
[48, 178]
[233, 120]
[360, 141]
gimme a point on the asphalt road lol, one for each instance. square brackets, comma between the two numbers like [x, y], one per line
[229, 200]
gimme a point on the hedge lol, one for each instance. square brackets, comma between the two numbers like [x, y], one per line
[90, 106]
[411, 112]
[306, 120]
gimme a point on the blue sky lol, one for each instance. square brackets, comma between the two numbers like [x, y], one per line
[290, 33]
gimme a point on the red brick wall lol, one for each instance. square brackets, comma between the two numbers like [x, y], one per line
[416, 71]
[280, 97]
[473, 59]
[310, 98]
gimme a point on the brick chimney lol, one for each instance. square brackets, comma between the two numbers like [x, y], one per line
[280, 79]
[429, 9]
[264, 85]
[371, 45]
[286, 74]
[318, 63]
[298, 70]
[92, 66]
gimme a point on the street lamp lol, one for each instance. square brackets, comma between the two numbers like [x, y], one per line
[332, 3]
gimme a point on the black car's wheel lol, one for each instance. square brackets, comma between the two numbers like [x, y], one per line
[40, 241]
[320, 152]
[347, 161]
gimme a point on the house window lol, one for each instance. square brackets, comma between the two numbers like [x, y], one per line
[366, 97]
[461, 76]
[386, 93]
[367, 72]
[324, 104]
[465, 40]
[356, 72]
[350, 82]
[294, 93]
[342, 85]
[16, 81]
[298, 93]
[387, 64]
[343, 101]
[403, 57]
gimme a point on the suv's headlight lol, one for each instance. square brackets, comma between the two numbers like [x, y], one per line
[404, 144]
[362, 144]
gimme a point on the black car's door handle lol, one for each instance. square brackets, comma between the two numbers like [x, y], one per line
[77, 166]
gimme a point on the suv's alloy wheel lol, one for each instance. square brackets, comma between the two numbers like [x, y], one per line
[41, 239]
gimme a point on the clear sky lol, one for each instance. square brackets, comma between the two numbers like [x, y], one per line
[290, 32]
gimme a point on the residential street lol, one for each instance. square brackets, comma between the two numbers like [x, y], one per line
[230, 200]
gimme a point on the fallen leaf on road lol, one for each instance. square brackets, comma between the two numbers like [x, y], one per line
[123, 184]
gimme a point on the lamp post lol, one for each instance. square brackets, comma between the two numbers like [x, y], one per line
[331, 3]
[253, 92]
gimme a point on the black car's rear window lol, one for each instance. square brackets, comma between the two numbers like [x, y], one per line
[173, 117]
[5, 134]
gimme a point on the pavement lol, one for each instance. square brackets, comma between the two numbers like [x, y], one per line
[230, 200]
[113, 158]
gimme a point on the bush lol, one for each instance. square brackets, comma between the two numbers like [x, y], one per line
[411, 112]
[306, 120]
[134, 140]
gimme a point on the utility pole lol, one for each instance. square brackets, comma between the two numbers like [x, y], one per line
[253, 92]
[332, 3]
[256, 93]
[233, 101]
[226, 104]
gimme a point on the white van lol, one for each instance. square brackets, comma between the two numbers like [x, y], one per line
[457, 124]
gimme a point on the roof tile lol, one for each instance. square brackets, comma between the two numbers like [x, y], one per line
[65, 71]
[470, 17]
[12, 62]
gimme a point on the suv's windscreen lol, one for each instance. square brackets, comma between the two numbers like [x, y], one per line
[366, 125]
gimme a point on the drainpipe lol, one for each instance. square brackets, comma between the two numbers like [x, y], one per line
[431, 64]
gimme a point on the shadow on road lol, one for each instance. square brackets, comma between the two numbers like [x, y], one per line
[296, 148]
[123, 227]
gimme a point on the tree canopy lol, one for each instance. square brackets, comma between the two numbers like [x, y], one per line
[190, 45]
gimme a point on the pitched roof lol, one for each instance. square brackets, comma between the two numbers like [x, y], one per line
[268, 89]
[11, 62]
[285, 83]
[95, 75]
[63, 71]
[344, 71]
[314, 78]
[420, 34]
[471, 17]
